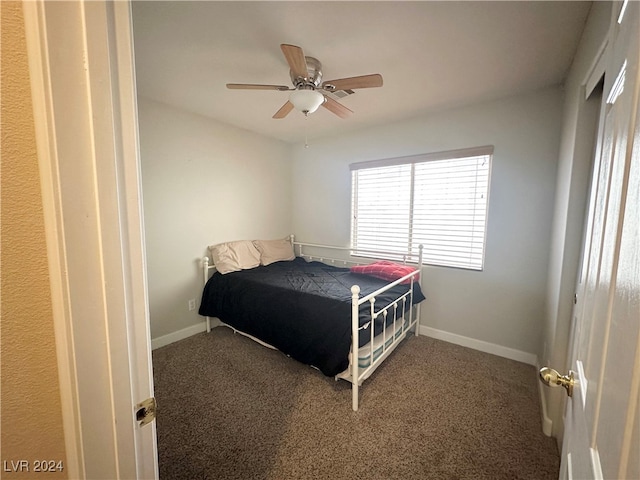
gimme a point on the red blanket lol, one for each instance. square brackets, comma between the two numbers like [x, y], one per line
[386, 270]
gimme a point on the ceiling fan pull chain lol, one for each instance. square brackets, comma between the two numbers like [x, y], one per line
[306, 119]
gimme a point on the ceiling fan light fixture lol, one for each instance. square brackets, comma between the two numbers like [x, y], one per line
[306, 101]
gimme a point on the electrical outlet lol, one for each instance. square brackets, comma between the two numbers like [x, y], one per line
[192, 304]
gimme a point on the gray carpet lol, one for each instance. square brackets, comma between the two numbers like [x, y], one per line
[229, 408]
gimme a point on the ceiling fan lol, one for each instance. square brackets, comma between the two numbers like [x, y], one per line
[309, 91]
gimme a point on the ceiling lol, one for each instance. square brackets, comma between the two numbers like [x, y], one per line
[432, 56]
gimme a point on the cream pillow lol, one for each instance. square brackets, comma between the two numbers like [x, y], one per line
[234, 256]
[274, 250]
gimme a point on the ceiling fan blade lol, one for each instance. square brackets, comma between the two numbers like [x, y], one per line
[295, 59]
[252, 86]
[284, 110]
[337, 108]
[363, 81]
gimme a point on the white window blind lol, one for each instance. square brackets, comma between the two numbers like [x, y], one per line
[437, 200]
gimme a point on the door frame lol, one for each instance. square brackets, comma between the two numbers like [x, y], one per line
[85, 113]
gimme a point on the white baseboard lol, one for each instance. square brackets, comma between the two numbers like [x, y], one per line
[179, 335]
[506, 352]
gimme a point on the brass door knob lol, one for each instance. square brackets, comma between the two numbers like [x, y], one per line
[552, 378]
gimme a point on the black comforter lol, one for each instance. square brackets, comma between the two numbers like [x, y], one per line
[301, 308]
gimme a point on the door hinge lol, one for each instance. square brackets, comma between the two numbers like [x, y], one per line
[146, 411]
[575, 298]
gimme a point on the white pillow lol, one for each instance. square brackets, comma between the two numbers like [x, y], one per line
[234, 256]
[274, 250]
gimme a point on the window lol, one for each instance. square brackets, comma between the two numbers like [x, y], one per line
[437, 200]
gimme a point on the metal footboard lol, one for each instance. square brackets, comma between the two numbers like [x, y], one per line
[403, 321]
[356, 375]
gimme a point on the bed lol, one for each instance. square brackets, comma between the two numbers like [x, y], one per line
[318, 310]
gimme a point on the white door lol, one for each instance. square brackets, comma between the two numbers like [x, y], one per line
[83, 89]
[602, 417]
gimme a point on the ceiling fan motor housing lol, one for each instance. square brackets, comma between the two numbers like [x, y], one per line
[314, 74]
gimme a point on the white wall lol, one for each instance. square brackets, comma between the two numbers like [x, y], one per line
[204, 183]
[574, 170]
[504, 304]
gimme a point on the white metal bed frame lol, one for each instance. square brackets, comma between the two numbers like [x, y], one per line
[400, 327]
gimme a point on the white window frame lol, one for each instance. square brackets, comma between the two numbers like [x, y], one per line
[403, 173]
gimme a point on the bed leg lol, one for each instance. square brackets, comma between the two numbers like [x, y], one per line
[208, 325]
[420, 259]
[355, 324]
[354, 396]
